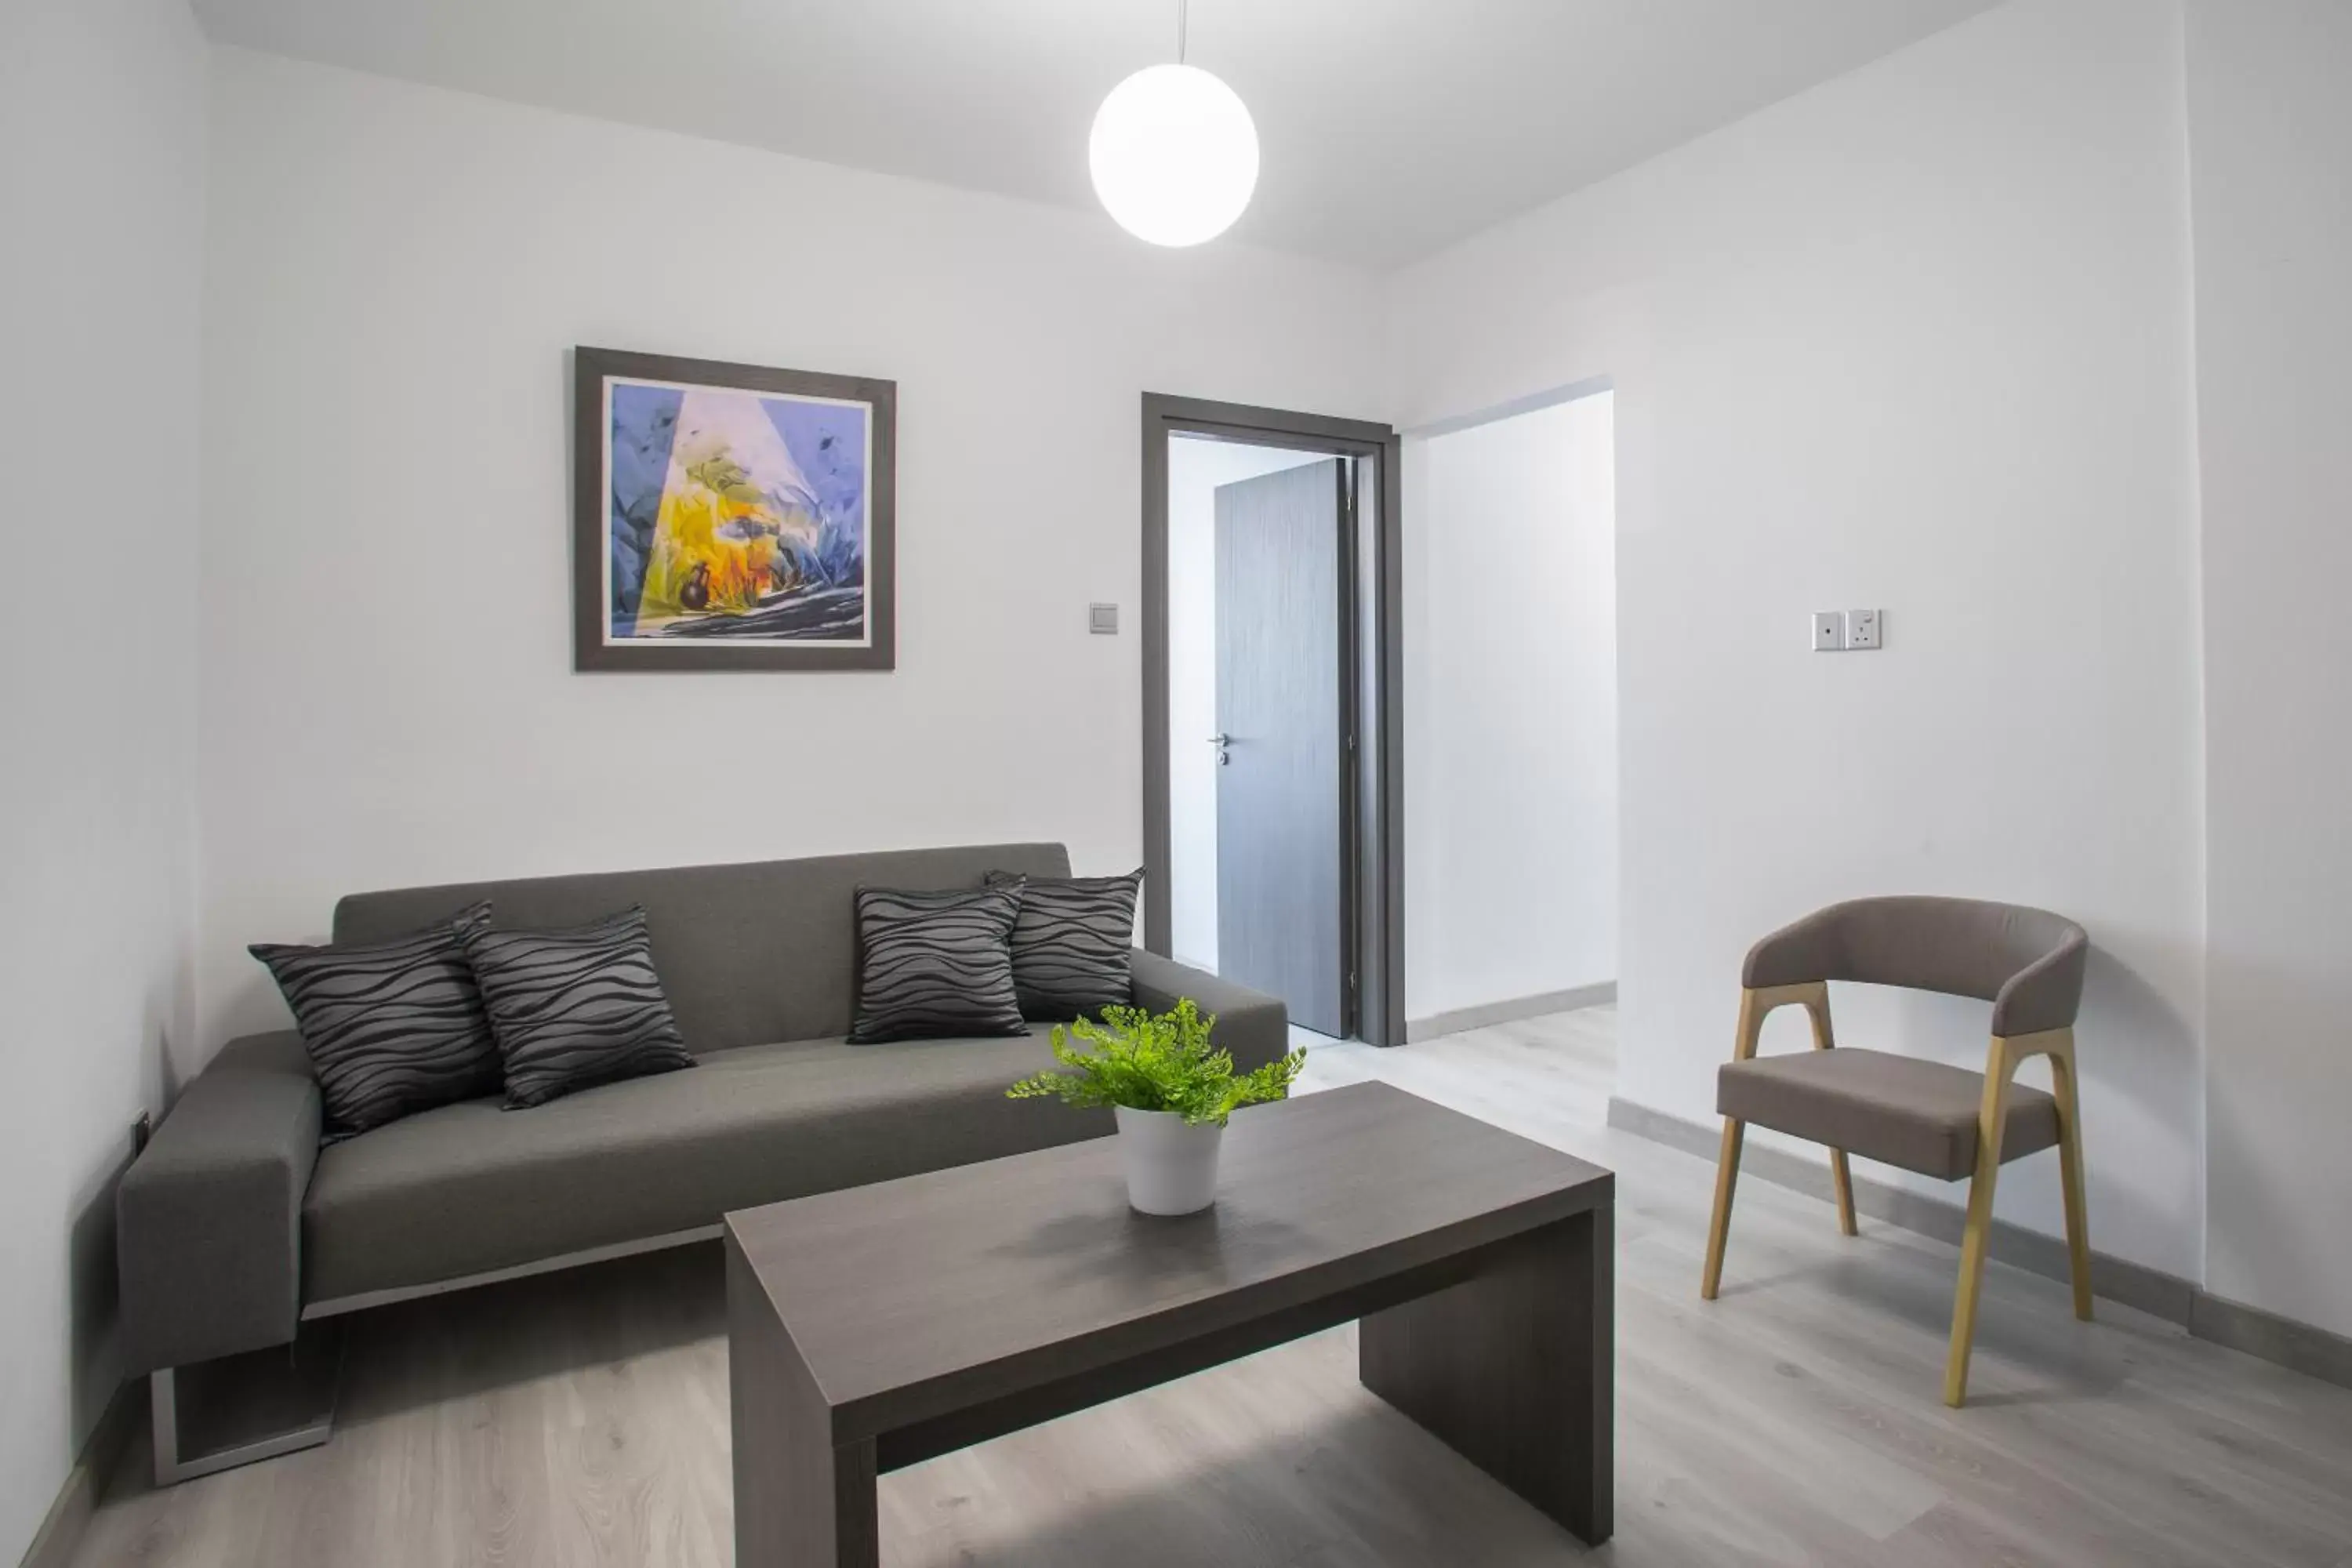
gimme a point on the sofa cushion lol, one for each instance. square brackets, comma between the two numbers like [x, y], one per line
[1070, 944]
[391, 1027]
[464, 1189]
[573, 1008]
[936, 964]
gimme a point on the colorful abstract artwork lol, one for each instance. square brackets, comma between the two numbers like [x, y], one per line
[741, 516]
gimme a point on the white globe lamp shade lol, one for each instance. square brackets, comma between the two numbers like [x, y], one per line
[1174, 155]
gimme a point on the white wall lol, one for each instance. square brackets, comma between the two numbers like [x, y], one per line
[1917, 339]
[2270, 115]
[1511, 709]
[101, 185]
[1195, 469]
[394, 275]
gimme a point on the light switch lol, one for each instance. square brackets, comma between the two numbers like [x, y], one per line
[1866, 629]
[1829, 631]
[1102, 620]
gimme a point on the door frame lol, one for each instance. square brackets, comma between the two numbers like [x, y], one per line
[1373, 688]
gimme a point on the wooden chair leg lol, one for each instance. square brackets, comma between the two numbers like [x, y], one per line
[1727, 1176]
[1843, 1179]
[1964, 1305]
[2070, 1179]
[1992, 1119]
[1816, 1000]
[1755, 1005]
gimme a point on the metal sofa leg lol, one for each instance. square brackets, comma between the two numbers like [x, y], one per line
[218, 1414]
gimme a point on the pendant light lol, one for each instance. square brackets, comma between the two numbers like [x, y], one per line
[1173, 152]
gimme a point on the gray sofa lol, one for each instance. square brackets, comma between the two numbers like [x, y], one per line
[236, 1227]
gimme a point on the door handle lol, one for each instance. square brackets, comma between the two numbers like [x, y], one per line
[1224, 757]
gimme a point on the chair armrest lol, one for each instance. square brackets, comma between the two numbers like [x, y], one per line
[1253, 1027]
[208, 1219]
[2046, 993]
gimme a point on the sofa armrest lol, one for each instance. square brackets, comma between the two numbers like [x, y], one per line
[208, 1218]
[1253, 1026]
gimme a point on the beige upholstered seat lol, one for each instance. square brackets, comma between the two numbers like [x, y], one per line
[1899, 1110]
[1923, 1116]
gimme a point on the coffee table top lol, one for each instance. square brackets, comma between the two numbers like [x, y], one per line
[910, 1298]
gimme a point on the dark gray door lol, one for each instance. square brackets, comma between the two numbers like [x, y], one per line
[1281, 889]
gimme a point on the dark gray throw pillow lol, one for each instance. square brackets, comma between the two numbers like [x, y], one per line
[1071, 943]
[391, 1027]
[935, 965]
[574, 1008]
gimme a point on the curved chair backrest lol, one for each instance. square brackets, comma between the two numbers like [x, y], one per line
[2027, 963]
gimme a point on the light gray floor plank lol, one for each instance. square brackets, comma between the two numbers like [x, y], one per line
[581, 1418]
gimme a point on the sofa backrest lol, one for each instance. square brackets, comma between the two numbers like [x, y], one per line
[749, 954]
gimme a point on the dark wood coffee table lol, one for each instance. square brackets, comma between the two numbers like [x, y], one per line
[880, 1326]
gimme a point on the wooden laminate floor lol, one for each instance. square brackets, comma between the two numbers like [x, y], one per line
[581, 1418]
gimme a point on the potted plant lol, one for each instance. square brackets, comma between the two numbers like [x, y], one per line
[1171, 1090]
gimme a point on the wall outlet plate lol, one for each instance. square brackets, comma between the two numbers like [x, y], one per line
[1102, 620]
[1829, 631]
[1866, 629]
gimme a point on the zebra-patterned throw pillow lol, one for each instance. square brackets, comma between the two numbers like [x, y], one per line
[391, 1027]
[935, 965]
[574, 1008]
[1071, 944]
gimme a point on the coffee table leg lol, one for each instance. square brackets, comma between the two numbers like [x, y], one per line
[800, 1500]
[1515, 1368]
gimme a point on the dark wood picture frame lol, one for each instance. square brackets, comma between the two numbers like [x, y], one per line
[592, 650]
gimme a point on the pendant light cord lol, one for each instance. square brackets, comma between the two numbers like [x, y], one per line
[1182, 7]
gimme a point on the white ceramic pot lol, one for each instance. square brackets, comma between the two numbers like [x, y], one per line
[1172, 1167]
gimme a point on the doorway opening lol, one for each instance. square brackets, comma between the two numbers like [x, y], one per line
[1272, 741]
[1512, 689]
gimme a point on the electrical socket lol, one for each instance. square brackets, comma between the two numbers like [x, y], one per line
[1866, 629]
[1829, 631]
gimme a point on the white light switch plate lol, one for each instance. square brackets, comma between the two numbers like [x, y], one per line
[1102, 620]
[1866, 629]
[1829, 631]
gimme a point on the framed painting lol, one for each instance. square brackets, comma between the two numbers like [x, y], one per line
[731, 517]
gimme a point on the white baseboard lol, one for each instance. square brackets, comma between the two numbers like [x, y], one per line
[1509, 1011]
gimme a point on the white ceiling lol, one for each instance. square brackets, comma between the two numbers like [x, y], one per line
[1389, 128]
